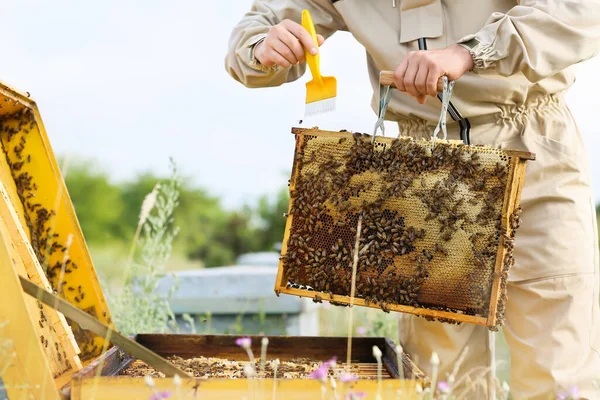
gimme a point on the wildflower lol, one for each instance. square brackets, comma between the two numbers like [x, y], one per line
[263, 352]
[321, 372]
[148, 204]
[443, 387]
[505, 390]
[361, 330]
[355, 395]
[274, 365]
[572, 394]
[149, 381]
[156, 395]
[249, 371]
[347, 377]
[377, 354]
[399, 351]
[244, 342]
[332, 362]
[160, 395]
[435, 363]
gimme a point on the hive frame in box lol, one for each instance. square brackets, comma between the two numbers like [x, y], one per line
[493, 317]
[102, 380]
[43, 242]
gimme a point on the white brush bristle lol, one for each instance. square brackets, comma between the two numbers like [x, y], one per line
[320, 107]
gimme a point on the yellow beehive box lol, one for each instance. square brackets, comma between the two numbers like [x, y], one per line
[42, 240]
[216, 363]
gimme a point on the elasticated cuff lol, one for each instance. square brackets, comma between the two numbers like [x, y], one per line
[247, 54]
[480, 52]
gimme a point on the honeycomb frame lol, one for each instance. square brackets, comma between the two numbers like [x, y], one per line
[407, 260]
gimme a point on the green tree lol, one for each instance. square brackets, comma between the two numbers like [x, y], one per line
[272, 221]
[207, 231]
[96, 201]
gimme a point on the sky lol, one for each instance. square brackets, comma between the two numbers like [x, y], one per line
[131, 85]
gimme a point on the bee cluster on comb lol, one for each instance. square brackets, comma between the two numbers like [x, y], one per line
[438, 224]
[19, 135]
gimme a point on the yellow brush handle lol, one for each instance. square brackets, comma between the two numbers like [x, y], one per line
[313, 61]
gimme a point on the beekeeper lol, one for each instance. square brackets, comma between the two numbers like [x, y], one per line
[512, 62]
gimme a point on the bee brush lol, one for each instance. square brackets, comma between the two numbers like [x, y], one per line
[321, 91]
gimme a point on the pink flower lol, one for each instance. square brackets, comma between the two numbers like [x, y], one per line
[443, 387]
[361, 330]
[244, 342]
[161, 395]
[321, 372]
[572, 394]
[346, 377]
[331, 362]
[355, 395]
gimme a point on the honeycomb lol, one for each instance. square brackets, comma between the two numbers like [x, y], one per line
[433, 235]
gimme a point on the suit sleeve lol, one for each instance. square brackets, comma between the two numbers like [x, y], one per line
[253, 28]
[537, 37]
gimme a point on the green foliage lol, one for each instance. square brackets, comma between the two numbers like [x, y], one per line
[97, 201]
[140, 308]
[272, 220]
[209, 233]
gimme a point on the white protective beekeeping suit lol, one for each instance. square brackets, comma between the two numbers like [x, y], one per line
[524, 52]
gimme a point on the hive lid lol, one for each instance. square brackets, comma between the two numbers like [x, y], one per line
[43, 240]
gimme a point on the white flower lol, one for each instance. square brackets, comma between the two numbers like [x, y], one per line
[435, 359]
[376, 352]
[149, 381]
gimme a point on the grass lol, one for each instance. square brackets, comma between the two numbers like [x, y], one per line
[333, 322]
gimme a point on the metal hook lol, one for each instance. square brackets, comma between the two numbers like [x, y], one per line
[385, 93]
[445, 102]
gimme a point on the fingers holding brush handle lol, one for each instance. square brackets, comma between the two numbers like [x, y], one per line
[285, 44]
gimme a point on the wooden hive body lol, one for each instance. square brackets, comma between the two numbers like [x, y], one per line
[117, 374]
[43, 242]
[438, 224]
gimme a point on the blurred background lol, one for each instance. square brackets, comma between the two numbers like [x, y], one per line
[123, 88]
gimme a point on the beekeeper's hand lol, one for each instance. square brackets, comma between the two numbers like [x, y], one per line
[420, 71]
[285, 44]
